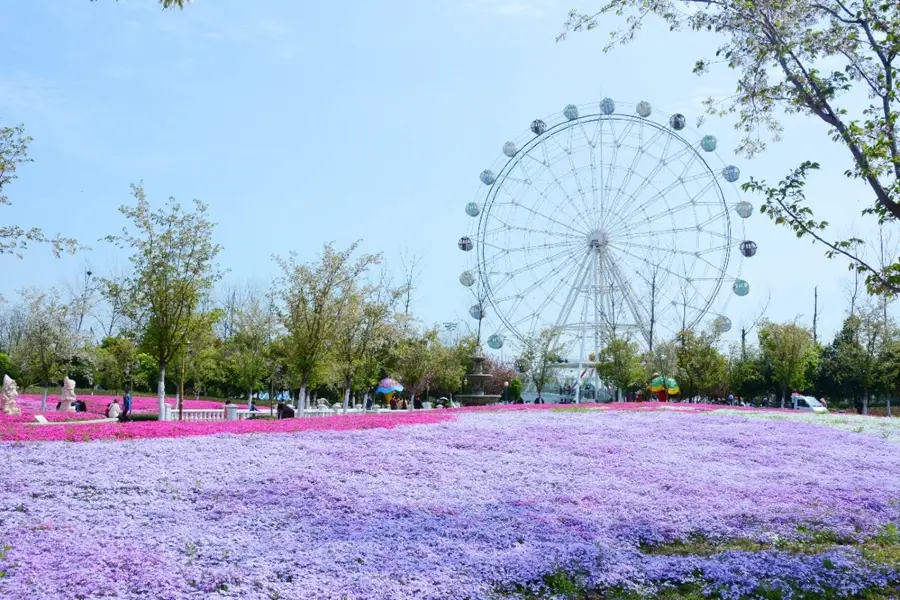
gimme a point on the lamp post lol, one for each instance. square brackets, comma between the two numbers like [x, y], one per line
[187, 347]
[505, 392]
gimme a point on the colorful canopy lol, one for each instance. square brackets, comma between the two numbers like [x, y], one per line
[388, 386]
[667, 384]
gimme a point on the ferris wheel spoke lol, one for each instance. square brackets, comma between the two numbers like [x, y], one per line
[501, 228]
[573, 294]
[515, 203]
[664, 192]
[577, 179]
[674, 210]
[622, 250]
[595, 199]
[631, 169]
[505, 251]
[668, 232]
[509, 276]
[571, 271]
[698, 254]
[630, 300]
[656, 169]
[568, 197]
[531, 288]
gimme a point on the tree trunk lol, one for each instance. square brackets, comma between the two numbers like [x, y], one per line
[783, 395]
[889, 406]
[346, 394]
[250, 399]
[301, 398]
[271, 397]
[44, 400]
[865, 404]
[161, 389]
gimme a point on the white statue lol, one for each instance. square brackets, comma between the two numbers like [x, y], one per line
[67, 396]
[8, 397]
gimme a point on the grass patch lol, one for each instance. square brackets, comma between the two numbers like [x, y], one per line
[572, 409]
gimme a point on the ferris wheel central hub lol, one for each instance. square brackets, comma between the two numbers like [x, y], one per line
[598, 240]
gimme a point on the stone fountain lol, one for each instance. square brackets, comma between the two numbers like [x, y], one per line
[478, 377]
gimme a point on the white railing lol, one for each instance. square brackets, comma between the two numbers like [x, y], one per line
[222, 414]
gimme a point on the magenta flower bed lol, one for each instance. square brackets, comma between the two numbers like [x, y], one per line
[17, 431]
[462, 508]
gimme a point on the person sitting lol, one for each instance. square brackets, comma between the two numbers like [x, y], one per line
[80, 406]
[417, 403]
[113, 410]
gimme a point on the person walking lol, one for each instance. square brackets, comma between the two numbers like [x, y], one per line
[126, 406]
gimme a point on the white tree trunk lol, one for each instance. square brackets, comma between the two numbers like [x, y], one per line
[250, 399]
[161, 390]
[346, 398]
[44, 401]
[889, 406]
[301, 400]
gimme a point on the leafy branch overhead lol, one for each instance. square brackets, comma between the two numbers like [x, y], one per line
[811, 57]
[14, 239]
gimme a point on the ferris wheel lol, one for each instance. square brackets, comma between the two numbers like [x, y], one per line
[606, 220]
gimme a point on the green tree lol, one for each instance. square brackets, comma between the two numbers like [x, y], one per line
[744, 377]
[312, 304]
[116, 356]
[701, 367]
[619, 363]
[812, 57]
[850, 367]
[173, 271]
[364, 326]
[784, 348]
[540, 354]
[45, 353]
[249, 346]
[8, 367]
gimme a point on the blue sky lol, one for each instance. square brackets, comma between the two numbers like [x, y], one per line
[300, 123]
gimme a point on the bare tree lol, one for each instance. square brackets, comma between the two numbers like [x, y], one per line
[82, 296]
[853, 289]
[411, 276]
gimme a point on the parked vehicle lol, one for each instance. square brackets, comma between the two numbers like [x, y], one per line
[807, 404]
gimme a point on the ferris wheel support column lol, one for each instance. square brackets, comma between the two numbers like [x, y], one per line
[587, 300]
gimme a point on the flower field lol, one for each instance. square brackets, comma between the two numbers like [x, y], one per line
[543, 503]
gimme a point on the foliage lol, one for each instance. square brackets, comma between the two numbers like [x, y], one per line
[541, 352]
[744, 376]
[784, 349]
[313, 300]
[363, 334]
[7, 367]
[248, 348]
[47, 349]
[701, 367]
[619, 363]
[173, 270]
[116, 358]
[812, 57]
